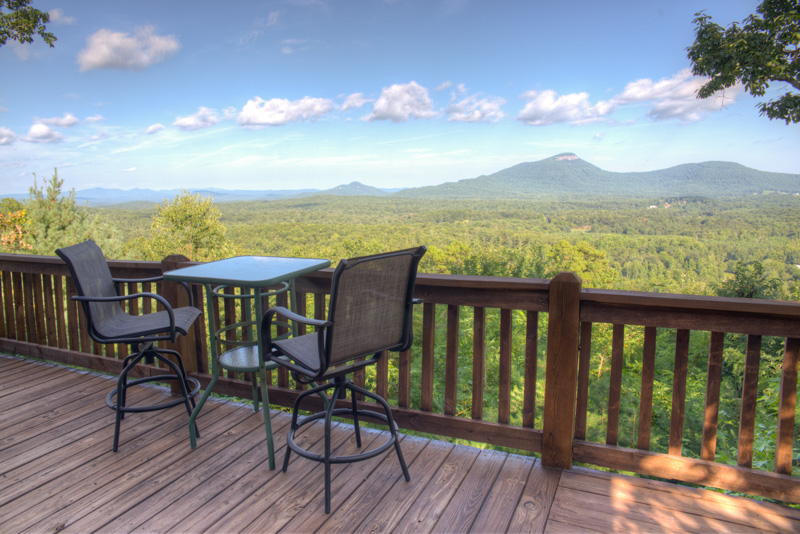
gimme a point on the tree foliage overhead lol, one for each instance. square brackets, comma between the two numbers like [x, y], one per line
[761, 50]
[20, 22]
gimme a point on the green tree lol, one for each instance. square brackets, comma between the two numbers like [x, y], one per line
[20, 22]
[188, 225]
[583, 259]
[751, 282]
[55, 220]
[762, 50]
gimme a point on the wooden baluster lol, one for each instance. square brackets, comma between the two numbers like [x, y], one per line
[784, 446]
[3, 299]
[39, 310]
[404, 379]
[615, 383]
[562, 370]
[8, 305]
[451, 361]
[230, 318]
[679, 392]
[30, 307]
[382, 376]
[283, 373]
[61, 318]
[49, 311]
[747, 421]
[584, 361]
[19, 307]
[713, 382]
[478, 361]
[201, 339]
[74, 318]
[504, 392]
[529, 380]
[428, 346]
[646, 392]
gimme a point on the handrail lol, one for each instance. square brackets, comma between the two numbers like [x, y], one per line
[473, 331]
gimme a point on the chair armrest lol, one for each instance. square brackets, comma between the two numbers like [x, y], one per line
[134, 280]
[292, 316]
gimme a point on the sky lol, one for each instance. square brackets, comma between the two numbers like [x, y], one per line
[299, 94]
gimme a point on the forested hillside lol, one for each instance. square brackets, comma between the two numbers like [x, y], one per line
[568, 176]
[679, 245]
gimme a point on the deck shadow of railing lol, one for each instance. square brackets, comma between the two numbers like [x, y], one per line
[527, 341]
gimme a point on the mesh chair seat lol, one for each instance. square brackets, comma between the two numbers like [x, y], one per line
[124, 325]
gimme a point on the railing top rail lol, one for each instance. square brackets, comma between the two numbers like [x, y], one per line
[643, 300]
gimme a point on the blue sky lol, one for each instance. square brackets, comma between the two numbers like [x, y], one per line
[289, 94]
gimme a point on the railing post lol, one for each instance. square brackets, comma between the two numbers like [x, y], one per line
[561, 375]
[177, 297]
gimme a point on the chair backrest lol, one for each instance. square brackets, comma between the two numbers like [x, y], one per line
[370, 305]
[92, 278]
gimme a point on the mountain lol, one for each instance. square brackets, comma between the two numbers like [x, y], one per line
[567, 175]
[355, 189]
[561, 176]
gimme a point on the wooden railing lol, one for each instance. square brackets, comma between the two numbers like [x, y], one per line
[475, 335]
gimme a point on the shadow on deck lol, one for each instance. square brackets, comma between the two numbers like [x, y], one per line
[58, 474]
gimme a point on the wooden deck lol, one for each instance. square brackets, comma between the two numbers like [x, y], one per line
[58, 474]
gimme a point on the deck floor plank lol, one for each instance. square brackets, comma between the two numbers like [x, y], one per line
[362, 487]
[226, 499]
[502, 502]
[57, 473]
[402, 496]
[425, 513]
[64, 481]
[466, 504]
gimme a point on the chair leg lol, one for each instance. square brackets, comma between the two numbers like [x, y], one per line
[122, 386]
[356, 427]
[390, 423]
[254, 386]
[337, 392]
[181, 374]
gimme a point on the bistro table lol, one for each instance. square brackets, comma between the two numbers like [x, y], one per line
[266, 276]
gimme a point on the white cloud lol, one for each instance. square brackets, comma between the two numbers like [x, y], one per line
[204, 118]
[153, 128]
[94, 118]
[676, 97]
[67, 121]
[547, 107]
[401, 102]
[273, 18]
[57, 17]
[354, 101]
[41, 133]
[444, 85]
[279, 111]
[669, 98]
[290, 46]
[131, 169]
[7, 136]
[116, 50]
[472, 108]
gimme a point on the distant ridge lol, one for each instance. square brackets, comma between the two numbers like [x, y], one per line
[567, 175]
[561, 176]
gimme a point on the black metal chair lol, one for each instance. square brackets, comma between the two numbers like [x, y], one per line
[108, 322]
[370, 312]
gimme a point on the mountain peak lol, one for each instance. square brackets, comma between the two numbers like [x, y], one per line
[566, 156]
